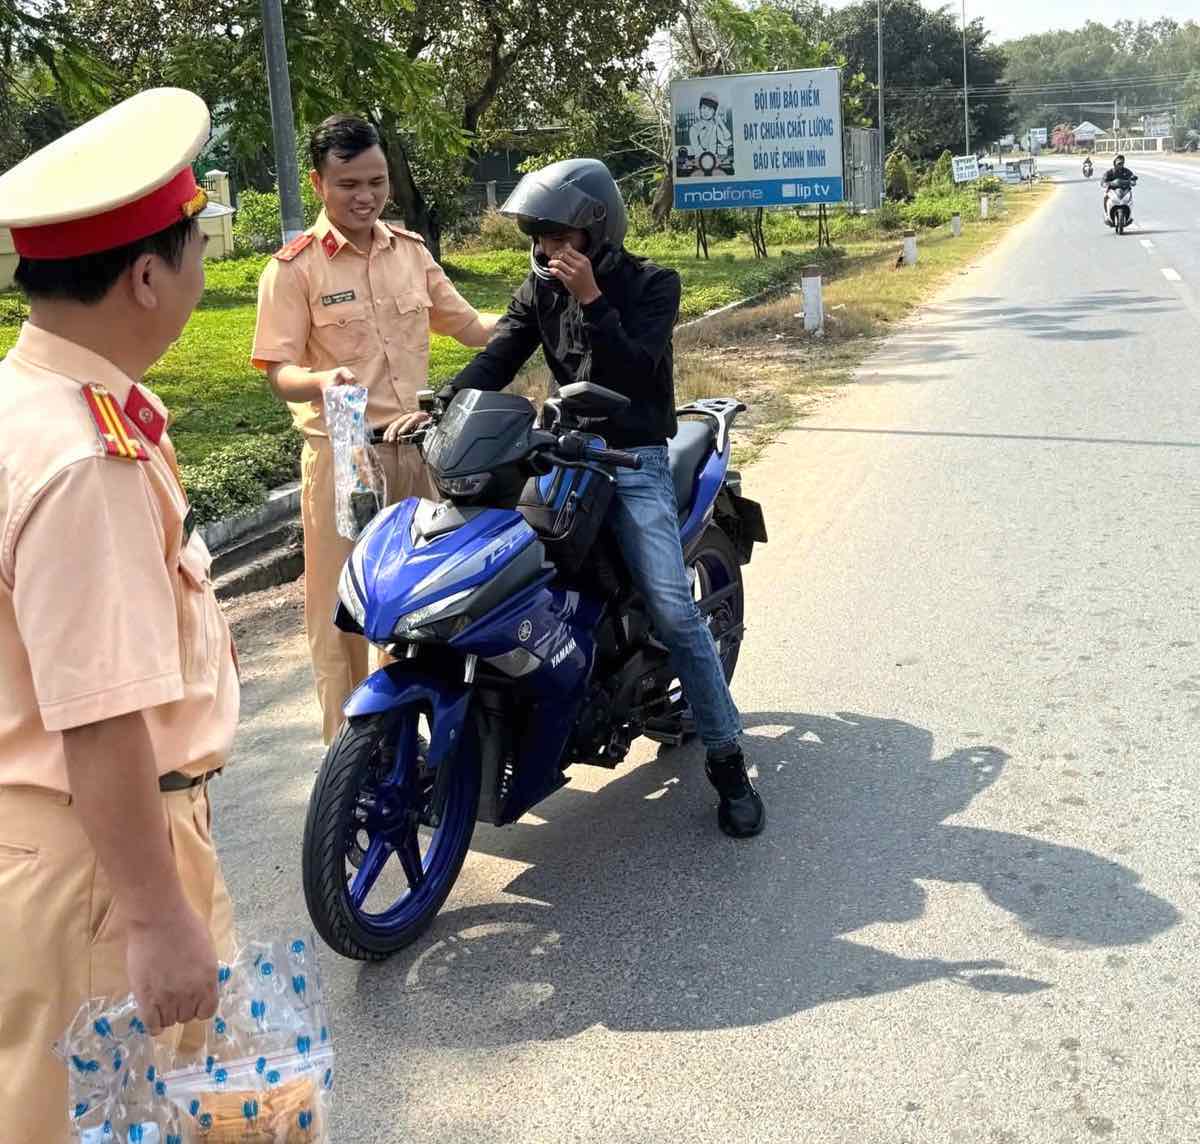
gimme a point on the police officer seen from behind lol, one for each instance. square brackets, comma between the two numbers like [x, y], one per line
[120, 696]
[600, 314]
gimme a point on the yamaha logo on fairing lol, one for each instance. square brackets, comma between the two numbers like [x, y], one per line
[525, 631]
[560, 656]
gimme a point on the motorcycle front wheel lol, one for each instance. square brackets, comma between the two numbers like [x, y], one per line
[376, 867]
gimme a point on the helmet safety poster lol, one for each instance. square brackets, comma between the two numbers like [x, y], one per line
[765, 140]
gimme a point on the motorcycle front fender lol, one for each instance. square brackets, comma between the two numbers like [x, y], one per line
[393, 687]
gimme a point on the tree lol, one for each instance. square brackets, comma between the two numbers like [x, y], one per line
[1145, 67]
[38, 48]
[439, 79]
[923, 73]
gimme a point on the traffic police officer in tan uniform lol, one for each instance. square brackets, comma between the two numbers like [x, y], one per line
[352, 301]
[120, 694]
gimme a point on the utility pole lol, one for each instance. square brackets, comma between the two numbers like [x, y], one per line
[283, 123]
[879, 76]
[966, 100]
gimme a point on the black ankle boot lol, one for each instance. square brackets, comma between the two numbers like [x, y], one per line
[741, 813]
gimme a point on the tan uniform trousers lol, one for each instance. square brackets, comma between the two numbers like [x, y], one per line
[63, 942]
[340, 661]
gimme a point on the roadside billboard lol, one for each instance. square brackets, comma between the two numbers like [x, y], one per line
[966, 168]
[763, 140]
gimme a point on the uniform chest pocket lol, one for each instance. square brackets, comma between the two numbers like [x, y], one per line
[408, 321]
[342, 331]
[200, 622]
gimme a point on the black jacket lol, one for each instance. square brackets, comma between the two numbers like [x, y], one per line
[621, 341]
[1112, 175]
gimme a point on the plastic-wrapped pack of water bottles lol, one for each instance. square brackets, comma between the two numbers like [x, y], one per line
[360, 486]
[264, 1076]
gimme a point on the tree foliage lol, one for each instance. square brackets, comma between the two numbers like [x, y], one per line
[440, 79]
[923, 73]
[1145, 66]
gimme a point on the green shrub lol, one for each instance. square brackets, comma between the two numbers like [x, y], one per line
[13, 310]
[941, 176]
[990, 185]
[497, 232]
[899, 177]
[890, 217]
[235, 478]
[257, 225]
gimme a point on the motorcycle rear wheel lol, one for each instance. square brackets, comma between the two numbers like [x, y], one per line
[371, 804]
[716, 564]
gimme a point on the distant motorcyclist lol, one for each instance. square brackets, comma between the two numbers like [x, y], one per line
[1117, 173]
[1087, 167]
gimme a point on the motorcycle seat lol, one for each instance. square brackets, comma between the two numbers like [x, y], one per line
[686, 452]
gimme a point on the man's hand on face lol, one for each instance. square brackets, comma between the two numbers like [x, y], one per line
[574, 271]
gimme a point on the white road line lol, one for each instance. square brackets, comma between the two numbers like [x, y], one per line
[1171, 275]
[1147, 244]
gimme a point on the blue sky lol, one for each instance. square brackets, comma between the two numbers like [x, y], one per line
[1007, 19]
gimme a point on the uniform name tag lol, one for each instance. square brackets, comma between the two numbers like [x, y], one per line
[334, 299]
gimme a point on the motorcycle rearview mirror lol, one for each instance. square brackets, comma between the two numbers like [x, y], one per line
[594, 402]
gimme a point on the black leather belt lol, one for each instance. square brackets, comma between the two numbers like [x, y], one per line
[177, 780]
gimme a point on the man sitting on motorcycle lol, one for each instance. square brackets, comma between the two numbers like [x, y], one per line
[1117, 173]
[603, 315]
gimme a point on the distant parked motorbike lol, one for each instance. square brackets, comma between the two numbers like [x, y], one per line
[1118, 203]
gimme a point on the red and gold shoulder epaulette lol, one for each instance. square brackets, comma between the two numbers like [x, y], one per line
[117, 435]
[406, 233]
[288, 252]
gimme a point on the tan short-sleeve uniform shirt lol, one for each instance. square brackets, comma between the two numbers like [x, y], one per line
[324, 303]
[106, 606]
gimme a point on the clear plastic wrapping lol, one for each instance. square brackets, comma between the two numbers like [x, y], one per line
[264, 1076]
[359, 484]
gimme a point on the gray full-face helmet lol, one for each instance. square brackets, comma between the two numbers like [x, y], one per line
[576, 194]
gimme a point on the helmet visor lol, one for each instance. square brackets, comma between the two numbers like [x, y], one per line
[539, 209]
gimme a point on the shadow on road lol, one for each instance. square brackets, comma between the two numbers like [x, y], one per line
[1063, 320]
[915, 354]
[636, 915]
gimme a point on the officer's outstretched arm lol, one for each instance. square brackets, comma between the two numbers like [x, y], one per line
[512, 344]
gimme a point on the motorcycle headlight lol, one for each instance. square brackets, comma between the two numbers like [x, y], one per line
[464, 486]
[350, 595]
[408, 625]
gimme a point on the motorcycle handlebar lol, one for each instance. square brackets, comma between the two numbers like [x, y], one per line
[618, 458]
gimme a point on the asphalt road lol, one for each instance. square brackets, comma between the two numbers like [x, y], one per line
[972, 689]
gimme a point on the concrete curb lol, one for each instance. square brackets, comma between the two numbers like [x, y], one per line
[281, 503]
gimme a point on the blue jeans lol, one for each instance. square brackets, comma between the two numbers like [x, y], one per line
[645, 520]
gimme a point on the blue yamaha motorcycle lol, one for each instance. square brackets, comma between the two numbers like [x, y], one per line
[519, 647]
